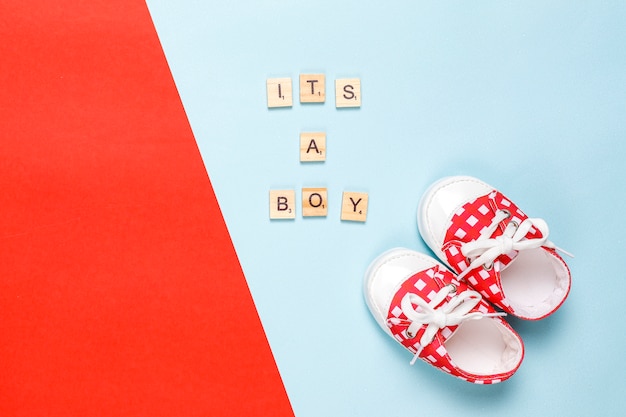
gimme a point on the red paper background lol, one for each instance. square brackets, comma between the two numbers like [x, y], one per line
[120, 290]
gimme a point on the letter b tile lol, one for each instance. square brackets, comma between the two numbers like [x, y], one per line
[282, 204]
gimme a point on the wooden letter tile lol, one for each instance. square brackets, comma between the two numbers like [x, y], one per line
[354, 206]
[312, 146]
[314, 202]
[312, 88]
[348, 92]
[279, 92]
[282, 204]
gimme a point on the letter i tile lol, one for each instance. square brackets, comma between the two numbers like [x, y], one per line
[279, 92]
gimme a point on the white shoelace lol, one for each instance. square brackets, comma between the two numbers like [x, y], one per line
[485, 250]
[456, 311]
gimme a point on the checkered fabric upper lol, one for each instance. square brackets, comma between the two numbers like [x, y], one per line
[426, 284]
[466, 225]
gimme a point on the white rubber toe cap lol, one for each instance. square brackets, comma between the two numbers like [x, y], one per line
[440, 202]
[386, 274]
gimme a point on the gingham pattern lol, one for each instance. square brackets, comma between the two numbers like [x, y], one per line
[466, 225]
[426, 284]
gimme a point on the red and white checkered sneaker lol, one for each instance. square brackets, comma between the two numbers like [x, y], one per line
[493, 246]
[416, 300]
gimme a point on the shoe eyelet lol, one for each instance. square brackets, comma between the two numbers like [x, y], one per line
[452, 288]
[409, 335]
[488, 267]
[506, 212]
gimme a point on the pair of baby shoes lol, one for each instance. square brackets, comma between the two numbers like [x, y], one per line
[497, 260]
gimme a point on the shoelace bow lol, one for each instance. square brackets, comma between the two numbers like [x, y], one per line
[435, 318]
[485, 250]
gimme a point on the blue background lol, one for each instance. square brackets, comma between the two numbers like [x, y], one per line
[528, 96]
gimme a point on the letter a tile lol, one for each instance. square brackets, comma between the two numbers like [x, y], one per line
[312, 146]
[354, 206]
[282, 204]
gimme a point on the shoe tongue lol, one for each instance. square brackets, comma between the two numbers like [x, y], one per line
[505, 260]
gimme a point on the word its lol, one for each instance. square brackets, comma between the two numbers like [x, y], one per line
[313, 90]
[315, 204]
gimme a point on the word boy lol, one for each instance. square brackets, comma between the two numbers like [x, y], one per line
[315, 204]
